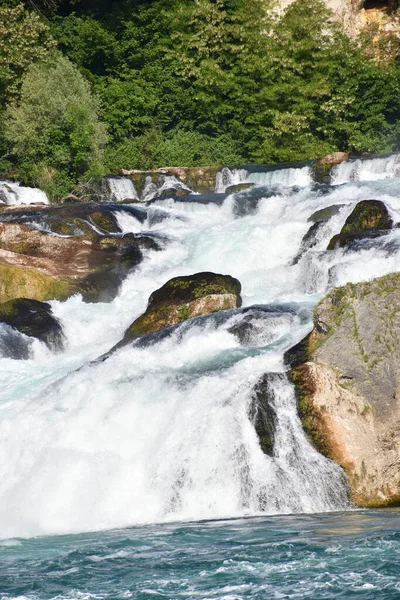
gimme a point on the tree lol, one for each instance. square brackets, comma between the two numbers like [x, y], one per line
[54, 129]
[24, 40]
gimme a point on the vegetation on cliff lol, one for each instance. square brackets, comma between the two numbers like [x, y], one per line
[188, 83]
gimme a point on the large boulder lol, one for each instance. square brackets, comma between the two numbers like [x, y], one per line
[322, 168]
[184, 297]
[370, 218]
[55, 252]
[34, 319]
[347, 377]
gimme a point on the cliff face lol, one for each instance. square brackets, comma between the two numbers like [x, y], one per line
[380, 16]
[349, 389]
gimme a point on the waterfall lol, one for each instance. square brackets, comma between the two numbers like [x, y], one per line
[122, 188]
[166, 430]
[227, 177]
[14, 193]
[372, 169]
[291, 176]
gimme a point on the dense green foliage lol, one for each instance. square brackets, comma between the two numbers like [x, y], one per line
[53, 129]
[187, 83]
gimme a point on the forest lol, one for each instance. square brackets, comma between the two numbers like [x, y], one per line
[88, 87]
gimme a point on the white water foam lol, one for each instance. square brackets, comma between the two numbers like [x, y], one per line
[162, 432]
[14, 193]
[372, 169]
[122, 188]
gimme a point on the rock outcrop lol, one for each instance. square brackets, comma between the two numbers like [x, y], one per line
[54, 252]
[347, 377]
[184, 297]
[197, 179]
[370, 218]
[322, 168]
[34, 319]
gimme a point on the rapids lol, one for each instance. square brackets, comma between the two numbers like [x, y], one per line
[162, 430]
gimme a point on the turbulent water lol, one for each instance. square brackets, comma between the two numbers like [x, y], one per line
[315, 557]
[164, 431]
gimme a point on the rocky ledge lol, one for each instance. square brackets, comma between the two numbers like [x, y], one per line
[347, 378]
[56, 251]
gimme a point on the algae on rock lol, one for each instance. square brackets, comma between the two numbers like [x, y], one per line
[185, 297]
[347, 379]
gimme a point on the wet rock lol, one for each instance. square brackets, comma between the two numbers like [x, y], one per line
[184, 297]
[262, 414]
[347, 387]
[370, 218]
[323, 215]
[34, 319]
[322, 168]
[309, 240]
[55, 252]
[199, 179]
[239, 187]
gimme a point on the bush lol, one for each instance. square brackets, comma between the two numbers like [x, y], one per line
[54, 129]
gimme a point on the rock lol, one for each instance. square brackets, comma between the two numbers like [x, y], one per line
[34, 319]
[323, 215]
[309, 240]
[72, 249]
[184, 297]
[348, 387]
[322, 168]
[333, 159]
[198, 179]
[370, 218]
[262, 413]
[239, 187]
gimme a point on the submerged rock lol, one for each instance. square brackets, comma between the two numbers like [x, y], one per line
[58, 251]
[324, 214]
[184, 297]
[370, 218]
[34, 319]
[238, 187]
[348, 384]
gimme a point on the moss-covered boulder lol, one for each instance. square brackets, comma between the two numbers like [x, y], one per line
[322, 168]
[370, 218]
[54, 252]
[184, 297]
[34, 319]
[347, 377]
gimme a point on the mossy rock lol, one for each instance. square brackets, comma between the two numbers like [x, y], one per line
[239, 187]
[185, 297]
[17, 282]
[34, 319]
[324, 214]
[105, 221]
[322, 172]
[370, 218]
[310, 416]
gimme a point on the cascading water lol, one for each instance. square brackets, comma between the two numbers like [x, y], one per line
[14, 193]
[121, 188]
[165, 430]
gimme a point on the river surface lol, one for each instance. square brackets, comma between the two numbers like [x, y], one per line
[332, 555]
